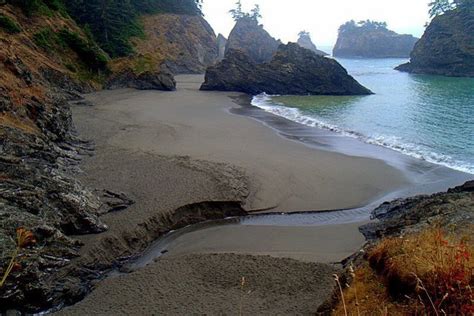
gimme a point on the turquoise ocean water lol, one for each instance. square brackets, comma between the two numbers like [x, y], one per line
[427, 117]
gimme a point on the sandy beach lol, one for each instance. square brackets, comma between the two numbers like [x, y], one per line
[165, 150]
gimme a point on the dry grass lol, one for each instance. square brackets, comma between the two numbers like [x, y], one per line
[24, 238]
[427, 273]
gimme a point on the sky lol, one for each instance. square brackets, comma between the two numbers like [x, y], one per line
[284, 19]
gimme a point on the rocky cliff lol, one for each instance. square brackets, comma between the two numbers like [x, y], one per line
[292, 70]
[372, 41]
[40, 71]
[46, 62]
[252, 39]
[304, 40]
[186, 42]
[446, 48]
[454, 208]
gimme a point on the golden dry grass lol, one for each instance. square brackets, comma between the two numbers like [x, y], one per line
[426, 273]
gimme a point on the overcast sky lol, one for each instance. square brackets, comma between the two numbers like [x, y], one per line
[283, 19]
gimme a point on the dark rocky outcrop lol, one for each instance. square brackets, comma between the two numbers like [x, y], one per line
[454, 209]
[161, 79]
[446, 47]
[369, 41]
[251, 38]
[305, 41]
[292, 70]
[221, 44]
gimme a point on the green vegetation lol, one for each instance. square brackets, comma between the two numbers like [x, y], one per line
[238, 12]
[367, 25]
[87, 51]
[46, 39]
[113, 22]
[438, 7]
[44, 7]
[9, 25]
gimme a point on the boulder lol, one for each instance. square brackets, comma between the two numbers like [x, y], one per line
[453, 209]
[251, 38]
[292, 70]
[161, 79]
[371, 40]
[446, 47]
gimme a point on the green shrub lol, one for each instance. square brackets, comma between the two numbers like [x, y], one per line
[9, 25]
[87, 51]
[27, 6]
[45, 39]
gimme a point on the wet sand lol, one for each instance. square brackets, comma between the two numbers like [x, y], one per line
[284, 175]
[166, 150]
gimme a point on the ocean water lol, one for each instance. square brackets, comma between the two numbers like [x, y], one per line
[427, 117]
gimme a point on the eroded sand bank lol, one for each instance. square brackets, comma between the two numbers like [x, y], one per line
[165, 150]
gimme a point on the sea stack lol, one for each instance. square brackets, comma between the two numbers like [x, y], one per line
[446, 47]
[252, 39]
[292, 70]
[305, 41]
[370, 39]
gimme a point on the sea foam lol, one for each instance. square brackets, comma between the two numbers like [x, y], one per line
[265, 102]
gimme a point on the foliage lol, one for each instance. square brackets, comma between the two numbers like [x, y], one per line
[426, 273]
[30, 7]
[113, 22]
[27, 6]
[9, 25]
[304, 34]
[45, 38]
[87, 51]
[367, 25]
[238, 12]
[438, 7]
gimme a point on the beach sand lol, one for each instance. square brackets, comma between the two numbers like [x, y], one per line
[168, 149]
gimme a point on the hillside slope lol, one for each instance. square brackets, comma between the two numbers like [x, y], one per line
[47, 62]
[186, 42]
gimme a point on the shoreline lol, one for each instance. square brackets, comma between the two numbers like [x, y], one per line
[160, 149]
[425, 177]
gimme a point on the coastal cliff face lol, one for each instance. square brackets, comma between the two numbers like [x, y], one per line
[446, 47]
[292, 70]
[172, 44]
[40, 71]
[186, 42]
[305, 41]
[46, 62]
[252, 39]
[356, 41]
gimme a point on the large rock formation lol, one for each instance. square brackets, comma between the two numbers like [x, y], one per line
[305, 41]
[186, 42]
[292, 70]
[221, 44]
[453, 209]
[250, 37]
[446, 48]
[160, 78]
[372, 40]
